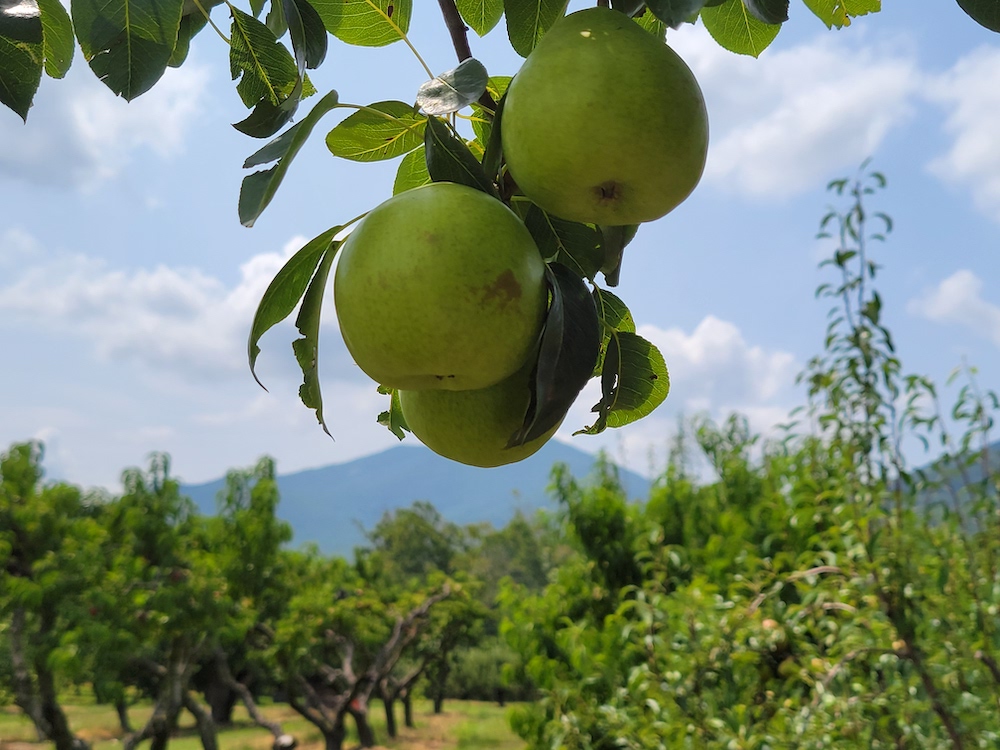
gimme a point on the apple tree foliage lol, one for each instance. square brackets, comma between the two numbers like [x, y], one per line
[272, 46]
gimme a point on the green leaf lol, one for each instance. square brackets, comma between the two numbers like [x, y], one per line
[577, 246]
[628, 7]
[481, 15]
[266, 119]
[768, 11]
[450, 160]
[482, 121]
[191, 24]
[614, 240]
[528, 20]
[20, 21]
[840, 12]
[393, 419]
[308, 34]
[652, 24]
[285, 291]
[493, 151]
[383, 130]
[453, 90]
[634, 381]
[412, 172]
[567, 353]
[259, 188]
[675, 12]
[20, 74]
[614, 316]
[307, 348]
[268, 71]
[127, 43]
[366, 23]
[984, 12]
[732, 26]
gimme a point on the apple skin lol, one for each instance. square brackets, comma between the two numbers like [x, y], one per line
[473, 427]
[440, 287]
[604, 123]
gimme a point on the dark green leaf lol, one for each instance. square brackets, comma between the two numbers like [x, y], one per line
[307, 348]
[259, 188]
[127, 43]
[268, 70]
[412, 172]
[628, 7]
[383, 130]
[453, 90]
[528, 20]
[366, 23]
[21, 21]
[285, 291]
[450, 160]
[276, 20]
[190, 25]
[577, 246]
[634, 381]
[20, 74]
[614, 242]
[839, 12]
[266, 119]
[984, 12]
[614, 316]
[393, 419]
[305, 27]
[569, 347]
[481, 15]
[482, 121]
[768, 11]
[493, 153]
[732, 26]
[675, 12]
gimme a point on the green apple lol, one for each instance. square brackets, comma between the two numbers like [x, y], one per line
[604, 123]
[473, 427]
[442, 287]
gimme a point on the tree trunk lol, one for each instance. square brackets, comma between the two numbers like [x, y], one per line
[121, 707]
[390, 715]
[408, 710]
[221, 699]
[334, 740]
[366, 735]
[282, 741]
[25, 696]
[206, 726]
[48, 700]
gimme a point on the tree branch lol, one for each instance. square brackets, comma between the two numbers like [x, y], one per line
[459, 33]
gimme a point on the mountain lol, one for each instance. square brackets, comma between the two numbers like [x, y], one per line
[327, 505]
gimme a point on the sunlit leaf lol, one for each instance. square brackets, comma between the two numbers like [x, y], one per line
[735, 29]
[366, 23]
[383, 130]
[481, 15]
[412, 172]
[840, 12]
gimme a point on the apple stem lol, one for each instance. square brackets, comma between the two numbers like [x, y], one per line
[460, 40]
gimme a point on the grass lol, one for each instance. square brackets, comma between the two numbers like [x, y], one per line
[462, 726]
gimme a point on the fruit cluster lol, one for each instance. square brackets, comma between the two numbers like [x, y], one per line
[442, 293]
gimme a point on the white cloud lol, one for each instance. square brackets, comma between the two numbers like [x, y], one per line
[958, 299]
[713, 370]
[969, 93]
[176, 319]
[79, 134]
[782, 123]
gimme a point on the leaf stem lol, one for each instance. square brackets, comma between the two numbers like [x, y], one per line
[199, 6]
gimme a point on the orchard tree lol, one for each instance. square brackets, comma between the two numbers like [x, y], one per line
[480, 354]
[49, 552]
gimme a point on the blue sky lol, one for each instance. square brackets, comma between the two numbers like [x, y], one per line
[127, 284]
